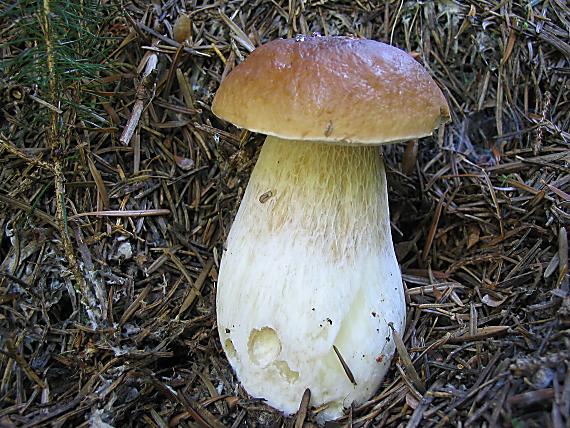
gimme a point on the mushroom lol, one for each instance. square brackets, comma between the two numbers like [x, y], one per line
[309, 281]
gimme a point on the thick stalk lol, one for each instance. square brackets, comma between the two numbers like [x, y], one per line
[310, 267]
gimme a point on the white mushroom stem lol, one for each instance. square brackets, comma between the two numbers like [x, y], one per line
[310, 265]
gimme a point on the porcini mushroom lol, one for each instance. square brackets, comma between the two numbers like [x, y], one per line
[309, 281]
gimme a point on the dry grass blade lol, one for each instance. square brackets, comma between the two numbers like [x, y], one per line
[563, 259]
[125, 213]
[13, 203]
[129, 312]
[345, 366]
[433, 227]
[407, 361]
[194, 289]
[303, 408]
[418, 414]
[482, 333]
[238, 33]
[531, 397]
[201, 415]
[99, 183]
[21, 361]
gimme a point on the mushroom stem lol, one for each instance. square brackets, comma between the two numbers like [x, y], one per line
[310, 267]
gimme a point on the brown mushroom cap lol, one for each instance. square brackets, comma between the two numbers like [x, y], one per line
[336, 89]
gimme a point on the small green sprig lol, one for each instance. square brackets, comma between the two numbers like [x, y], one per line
[54, 45]
[54, 49]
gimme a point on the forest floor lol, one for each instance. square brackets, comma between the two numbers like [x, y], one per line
[112, 227]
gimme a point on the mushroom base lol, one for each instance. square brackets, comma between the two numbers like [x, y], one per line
[309, 281]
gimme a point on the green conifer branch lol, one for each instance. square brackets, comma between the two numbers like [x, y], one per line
[58, 52]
